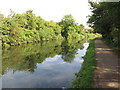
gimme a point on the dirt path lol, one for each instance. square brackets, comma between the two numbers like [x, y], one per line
[107, 73]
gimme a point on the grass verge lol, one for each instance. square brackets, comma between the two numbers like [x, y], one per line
[85, 75]
[111, 45]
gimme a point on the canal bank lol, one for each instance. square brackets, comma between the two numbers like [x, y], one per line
[84, 78]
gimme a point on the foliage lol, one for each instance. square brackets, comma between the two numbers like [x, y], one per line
[25, 28]
[111, 45]
[70, 29]
[105, 20]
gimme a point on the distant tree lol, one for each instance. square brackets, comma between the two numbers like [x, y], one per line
[1, 19]
[1, 16]
[66, 22]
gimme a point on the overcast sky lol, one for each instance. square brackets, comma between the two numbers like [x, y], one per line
[49, 9]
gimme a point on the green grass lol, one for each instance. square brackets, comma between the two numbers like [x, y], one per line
[85, 75]
[111, 45]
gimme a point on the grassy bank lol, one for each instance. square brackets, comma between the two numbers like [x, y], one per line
[111, 45]
[84, 76]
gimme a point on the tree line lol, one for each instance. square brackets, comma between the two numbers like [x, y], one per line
[27, 27]
[105, 20]
[17, 29]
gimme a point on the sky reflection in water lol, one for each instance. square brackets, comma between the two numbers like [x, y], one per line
[53, 72]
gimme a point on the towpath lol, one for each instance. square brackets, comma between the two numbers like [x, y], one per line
[107, 72]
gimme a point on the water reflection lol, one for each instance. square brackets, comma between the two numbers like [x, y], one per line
[43, 65]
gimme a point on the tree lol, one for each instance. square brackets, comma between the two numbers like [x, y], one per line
[105, 20]
[1, 19]
[66, 22]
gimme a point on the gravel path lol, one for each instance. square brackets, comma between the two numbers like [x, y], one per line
[107, 72]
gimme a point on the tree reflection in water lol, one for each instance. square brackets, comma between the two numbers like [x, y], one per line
[25, 57]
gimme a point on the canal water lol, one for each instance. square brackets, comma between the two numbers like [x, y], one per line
[50, 64]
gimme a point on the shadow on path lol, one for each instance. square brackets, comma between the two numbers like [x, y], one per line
[107, 72]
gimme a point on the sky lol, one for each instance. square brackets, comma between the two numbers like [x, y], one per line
[49, 9]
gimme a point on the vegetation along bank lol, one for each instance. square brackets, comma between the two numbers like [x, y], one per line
[85, 75]
[104, 20]
[23, 28]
